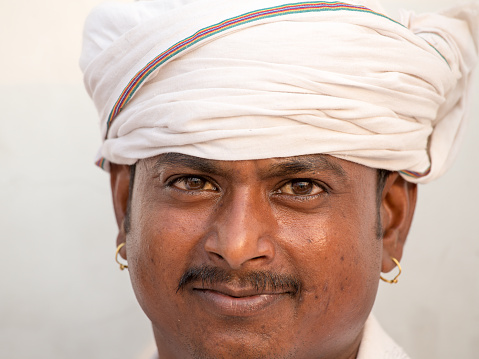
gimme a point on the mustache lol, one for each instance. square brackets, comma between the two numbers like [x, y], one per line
[260, 280]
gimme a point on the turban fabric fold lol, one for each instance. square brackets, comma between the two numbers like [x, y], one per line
[254, 79]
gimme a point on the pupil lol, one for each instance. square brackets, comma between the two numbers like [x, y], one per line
[302, 187]
[194, 183]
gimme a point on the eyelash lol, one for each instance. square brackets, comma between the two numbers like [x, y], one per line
[172, 182]
[324, 190]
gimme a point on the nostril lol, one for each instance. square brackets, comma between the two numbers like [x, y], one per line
[216, 255]
[259, 257]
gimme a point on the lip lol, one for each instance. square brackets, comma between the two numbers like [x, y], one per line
[238, 302]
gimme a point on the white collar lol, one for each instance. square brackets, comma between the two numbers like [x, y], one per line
[376, 344]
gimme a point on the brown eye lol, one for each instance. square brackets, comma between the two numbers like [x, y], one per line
[194, 184]
[300, 188]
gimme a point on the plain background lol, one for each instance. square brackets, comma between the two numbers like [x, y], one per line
[62, 295]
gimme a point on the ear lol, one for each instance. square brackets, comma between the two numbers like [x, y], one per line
[397, 210]
[120, 184]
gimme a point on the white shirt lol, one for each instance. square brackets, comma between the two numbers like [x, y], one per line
[376, 344]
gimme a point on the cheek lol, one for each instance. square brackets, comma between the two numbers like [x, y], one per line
[161, 244]
[339, 258]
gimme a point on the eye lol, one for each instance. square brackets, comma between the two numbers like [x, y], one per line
[193, 183]
[300, 187]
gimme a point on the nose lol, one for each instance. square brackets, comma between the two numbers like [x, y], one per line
[243, 231]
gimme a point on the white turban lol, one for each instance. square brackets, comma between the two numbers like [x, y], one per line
[253, 79]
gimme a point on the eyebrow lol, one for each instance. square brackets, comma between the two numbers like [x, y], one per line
[283, 167]
[191, 162]
[309, 163]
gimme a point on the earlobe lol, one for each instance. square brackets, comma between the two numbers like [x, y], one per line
[120, 182]
[397, 210]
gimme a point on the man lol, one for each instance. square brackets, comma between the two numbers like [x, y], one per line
[264, 157]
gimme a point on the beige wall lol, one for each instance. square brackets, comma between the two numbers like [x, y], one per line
[62, 295]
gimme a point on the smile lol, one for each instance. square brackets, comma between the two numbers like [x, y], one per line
[229, 301]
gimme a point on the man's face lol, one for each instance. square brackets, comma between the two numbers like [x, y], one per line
[275, 258]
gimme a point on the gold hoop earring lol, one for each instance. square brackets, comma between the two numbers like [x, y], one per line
[122, 266]
[395, 279]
